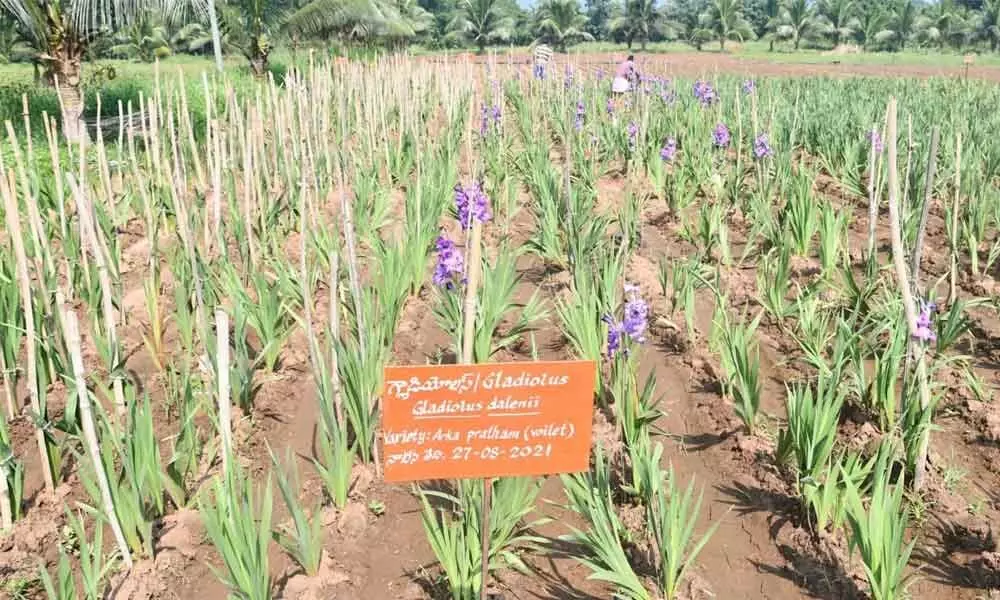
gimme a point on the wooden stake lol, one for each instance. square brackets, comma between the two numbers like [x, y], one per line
[918, 247]
[474, 273]
[88, 233]
[8, 387]
[24, 283]
[953, 288]
[909, 308]
[90, 434]
[222, 376]
[872, 198]
[6, 518]
[925, 208]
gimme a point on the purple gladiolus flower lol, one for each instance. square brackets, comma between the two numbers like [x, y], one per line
[581, 111]
[704, 92]
[489, 113]
[539, 71]
[600, 74]
[636, 319]
[925, 332]
[721, 136]
[761, 147]
[616, 334]
[633, 325]
[633, 132]
[669, 150]
[610, 107]
[875, 139]
[450, 263]
[472, 203]
[749, 87]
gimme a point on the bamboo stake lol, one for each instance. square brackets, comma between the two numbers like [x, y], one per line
[51, 135]
[40, 241]
[88, 226]
[248, 184]
[918, 248]
[189, 129]
[90, 435]
[26, 115]
[474, 271]
[338, 404]
[872, 199]
[953, 287]
[24, 283]
[8, 387]
[926, 206]
[216, 200]
[904, 207]
[909, 308]
[6, 518]
[352, 258]
[222, 376]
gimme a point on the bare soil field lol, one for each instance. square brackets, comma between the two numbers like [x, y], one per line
[707, 64]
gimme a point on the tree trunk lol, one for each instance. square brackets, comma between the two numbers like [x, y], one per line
[258, 66]
[722, 44]
[259, 62]
[213, 23]
[65, 71]
[797, 40]
[643, 45]
[770, 45]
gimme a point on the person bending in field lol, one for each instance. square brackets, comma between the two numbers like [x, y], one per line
[625, 77]
[542, 55]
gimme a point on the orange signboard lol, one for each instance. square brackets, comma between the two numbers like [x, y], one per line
[487, 420]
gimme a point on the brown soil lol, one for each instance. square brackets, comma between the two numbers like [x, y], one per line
[694, 64]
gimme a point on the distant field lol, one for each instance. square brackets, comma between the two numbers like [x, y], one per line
[132, 79]
[759, 51]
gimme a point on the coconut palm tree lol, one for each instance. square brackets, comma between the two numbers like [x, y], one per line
[417, 19]
[772, 12]
[560, 23]
[987, 24]
[638, 20]
[841, 19]
[13, 46]
[871, 25]
[685, 17]
[799, 20]
[724, 21]
[251, 25]
[145, 40]
[902, 24]
[481, 23]
[346, 19]
[943, 23]
[61, 30]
